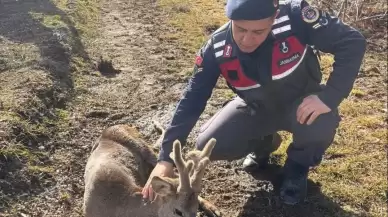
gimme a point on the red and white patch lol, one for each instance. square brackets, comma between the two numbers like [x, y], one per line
[228, 50]
[233, 73]
[286, 56]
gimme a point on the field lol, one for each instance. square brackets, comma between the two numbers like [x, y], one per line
[71, 68]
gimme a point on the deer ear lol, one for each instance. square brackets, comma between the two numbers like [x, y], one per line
[163, 186]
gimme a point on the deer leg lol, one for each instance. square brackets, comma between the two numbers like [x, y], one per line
[210, 209]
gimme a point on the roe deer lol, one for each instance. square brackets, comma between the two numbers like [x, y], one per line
[119, 166]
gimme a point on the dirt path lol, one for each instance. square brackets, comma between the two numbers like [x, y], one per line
[140, 88]
[144, 84]
[135, 95]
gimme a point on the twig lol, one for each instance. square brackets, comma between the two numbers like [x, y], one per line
[357, 11]
[360, 9]
[324, 4]
[345, 9]
[341, 8]
[371, 17]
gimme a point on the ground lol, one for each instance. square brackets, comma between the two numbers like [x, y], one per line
[71, 68]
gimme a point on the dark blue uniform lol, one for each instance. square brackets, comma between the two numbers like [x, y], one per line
[271, 82]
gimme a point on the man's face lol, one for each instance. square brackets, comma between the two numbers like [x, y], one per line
[249, 34]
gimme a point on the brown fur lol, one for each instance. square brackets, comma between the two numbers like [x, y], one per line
[118, 167]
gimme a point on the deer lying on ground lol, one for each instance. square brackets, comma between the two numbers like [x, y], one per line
[120, 164]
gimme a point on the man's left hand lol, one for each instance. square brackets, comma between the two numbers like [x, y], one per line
[310, 109]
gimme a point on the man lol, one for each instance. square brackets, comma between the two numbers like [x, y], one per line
[267, 54]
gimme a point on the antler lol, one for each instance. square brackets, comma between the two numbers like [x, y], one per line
[195, 167]
[201, 159]
[197, 155]
[182, 166]
[199, 172]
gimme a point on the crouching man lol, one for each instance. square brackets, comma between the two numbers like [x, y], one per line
[267, 53]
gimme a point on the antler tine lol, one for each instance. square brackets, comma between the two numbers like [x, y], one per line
[190, 167]
[181, 166]
[196, 179]
[196, 155]
[206, 152]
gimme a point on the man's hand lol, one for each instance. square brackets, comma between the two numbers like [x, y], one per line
[163, 169]
[310, 109]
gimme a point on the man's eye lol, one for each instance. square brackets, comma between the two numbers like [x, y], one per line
[241, 30]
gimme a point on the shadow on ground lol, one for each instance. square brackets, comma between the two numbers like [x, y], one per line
[23, 22]
[266, 202]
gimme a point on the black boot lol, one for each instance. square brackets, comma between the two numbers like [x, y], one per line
[259, 158]
[294, 187]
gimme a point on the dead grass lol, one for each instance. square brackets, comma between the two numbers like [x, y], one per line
[353, 173]
[193, 20]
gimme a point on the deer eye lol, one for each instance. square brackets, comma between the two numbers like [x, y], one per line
[178, 212]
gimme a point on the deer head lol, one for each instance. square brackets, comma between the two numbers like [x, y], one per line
[180, 195]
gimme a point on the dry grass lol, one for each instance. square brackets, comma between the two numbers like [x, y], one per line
[353, 173]
[201, 16]
[37, 82]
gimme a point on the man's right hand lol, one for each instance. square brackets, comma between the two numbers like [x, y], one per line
[162, 169]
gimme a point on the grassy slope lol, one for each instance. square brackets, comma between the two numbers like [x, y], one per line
[40, 75]
[353, 173]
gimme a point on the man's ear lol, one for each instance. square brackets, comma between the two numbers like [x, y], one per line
[163, 186]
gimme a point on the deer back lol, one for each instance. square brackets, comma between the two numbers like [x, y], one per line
[117, 168]
[120, 164]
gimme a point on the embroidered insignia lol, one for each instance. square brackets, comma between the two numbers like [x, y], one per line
[284, 47]
[316, 26]
[310, 14]
[323, 21]
[288, 60]
[228, 50]
[198, 60]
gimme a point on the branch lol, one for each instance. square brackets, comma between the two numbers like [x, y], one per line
[341, 8]
[379, 16]
[345, 9]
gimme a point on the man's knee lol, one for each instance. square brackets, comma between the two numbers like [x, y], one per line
[226, 147]
[320, 132]
[201, 141]
[311, 141]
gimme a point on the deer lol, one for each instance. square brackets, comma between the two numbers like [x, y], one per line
[119, 165]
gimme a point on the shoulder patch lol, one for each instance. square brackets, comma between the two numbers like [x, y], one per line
[198, 60]
[199, 55]
[295, 4]
[310, 14]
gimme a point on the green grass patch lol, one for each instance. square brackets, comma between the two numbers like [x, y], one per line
[50, 21]
[18, 151]
[14, 56]
[84, 15]
[194, 20]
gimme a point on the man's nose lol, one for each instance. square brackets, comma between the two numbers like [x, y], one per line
[247, 38]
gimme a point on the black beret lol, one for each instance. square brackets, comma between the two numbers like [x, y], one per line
[250, 9]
